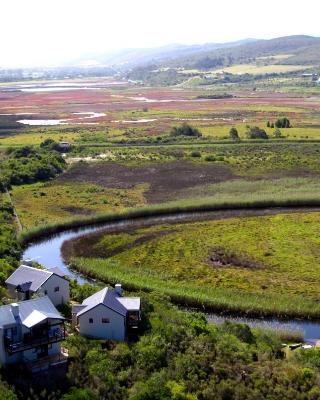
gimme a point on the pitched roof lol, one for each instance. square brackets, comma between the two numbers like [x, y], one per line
[130, 303]
[110, 299]
[25, 274]
[31, 312]
[57, 271]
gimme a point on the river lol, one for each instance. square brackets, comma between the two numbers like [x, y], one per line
[48, 253]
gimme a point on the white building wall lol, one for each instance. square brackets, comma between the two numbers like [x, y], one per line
[57, 297]
[114, 330]
[30, 355]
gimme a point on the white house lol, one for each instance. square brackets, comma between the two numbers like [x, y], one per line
[26, 281]
[30, 332]
[107, 315]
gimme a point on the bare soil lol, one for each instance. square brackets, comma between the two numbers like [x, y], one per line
[166, 180]
[222, 258]
[86, 246]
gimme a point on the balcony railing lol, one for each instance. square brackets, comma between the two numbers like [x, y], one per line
[29, 342]
[47, 362]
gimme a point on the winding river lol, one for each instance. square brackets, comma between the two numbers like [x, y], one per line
[48, 253]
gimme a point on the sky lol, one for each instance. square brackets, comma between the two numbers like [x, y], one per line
[48, 32]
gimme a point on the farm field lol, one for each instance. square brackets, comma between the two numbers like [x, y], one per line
[255, 264]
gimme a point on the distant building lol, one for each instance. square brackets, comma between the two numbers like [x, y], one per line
[25, 281]
[30, 333]
[107, 315]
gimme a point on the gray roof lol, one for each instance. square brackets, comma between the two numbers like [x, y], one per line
[36, 276]
[130, 303]
[110, 299]
[57, 271]
[31, 312]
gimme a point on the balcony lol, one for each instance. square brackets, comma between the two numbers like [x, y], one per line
[54, 334]
[133, 319]
[48, 362]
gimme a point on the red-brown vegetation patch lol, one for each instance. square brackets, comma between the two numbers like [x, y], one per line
[165, 180]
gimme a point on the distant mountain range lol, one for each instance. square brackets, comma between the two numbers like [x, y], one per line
[134, 57]
[299, 49]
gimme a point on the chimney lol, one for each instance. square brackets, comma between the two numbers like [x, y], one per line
[118, 289]
[15, 310]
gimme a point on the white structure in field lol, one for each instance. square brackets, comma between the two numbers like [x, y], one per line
[30, 332]
[107, 315]
[25, 281]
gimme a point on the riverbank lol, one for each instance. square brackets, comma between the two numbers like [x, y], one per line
[167, 210]
[47, 252]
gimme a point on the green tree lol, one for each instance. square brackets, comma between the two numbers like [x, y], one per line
[254, 132]
[233, 133]
[282, 123]
[185, 130]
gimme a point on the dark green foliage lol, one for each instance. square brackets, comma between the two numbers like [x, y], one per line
[210, 158]
[6, 393]
[254, 132]
[195, 154]
[185, 130]
[268, 124]
[81, 292]
[29, 165]
[282, 123]
[9, 248]
[233, 133]
[80, 394]
[180, 356]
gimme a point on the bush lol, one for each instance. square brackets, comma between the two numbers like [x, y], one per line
[185, 130]
[210, 158]
[254, 132]
[195, 154]
[282, 123]
[233, 134]
[29, 165]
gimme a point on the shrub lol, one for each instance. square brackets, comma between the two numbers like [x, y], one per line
[254, 132]
[195, 154]
[233, 134]
[185, 130]
[283, 123]
[210, 158]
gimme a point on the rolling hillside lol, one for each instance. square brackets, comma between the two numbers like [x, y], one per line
[296, 50]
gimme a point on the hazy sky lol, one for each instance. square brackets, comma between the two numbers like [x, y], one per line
[46, 32]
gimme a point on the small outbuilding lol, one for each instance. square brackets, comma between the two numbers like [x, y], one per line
[107, 315]
[26, 281]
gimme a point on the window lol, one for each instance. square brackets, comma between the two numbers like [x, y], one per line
[45, 292]
[90, 320]
[105, 320]
[56, 289]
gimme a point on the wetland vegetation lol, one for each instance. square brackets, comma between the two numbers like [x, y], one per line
[243, 140]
